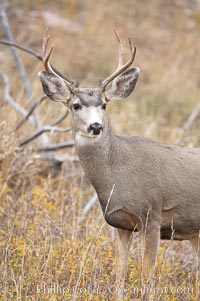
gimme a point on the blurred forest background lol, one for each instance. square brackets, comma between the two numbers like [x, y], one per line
[47, 235]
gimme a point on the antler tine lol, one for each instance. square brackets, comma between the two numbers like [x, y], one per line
[121, 67]
[46, 56]
[46, 53]
[120, 61]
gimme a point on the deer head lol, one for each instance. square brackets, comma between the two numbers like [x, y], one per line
[88, 105]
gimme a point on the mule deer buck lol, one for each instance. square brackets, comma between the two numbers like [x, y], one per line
[142, 185]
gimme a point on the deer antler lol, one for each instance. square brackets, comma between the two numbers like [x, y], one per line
[46, 56]
[121, 67]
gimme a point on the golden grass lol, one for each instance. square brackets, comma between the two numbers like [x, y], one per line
[47, 252]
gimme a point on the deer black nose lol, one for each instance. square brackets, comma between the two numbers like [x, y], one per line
[96, 128]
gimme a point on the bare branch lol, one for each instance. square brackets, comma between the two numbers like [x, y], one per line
[24, 49]
[89, 205]
[18, 61]
[45, 129]
[9, 99]
[59, 120]
[56, 146]
[44, 138]
[188, 123]
[22, 71]
[56, 156]
[30, 112]
[37, 56]
[28, 115]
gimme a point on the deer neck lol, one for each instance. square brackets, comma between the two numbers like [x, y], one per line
[94, 151]
[95, 156]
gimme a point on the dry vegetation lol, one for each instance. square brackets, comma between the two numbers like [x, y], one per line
[47, 252]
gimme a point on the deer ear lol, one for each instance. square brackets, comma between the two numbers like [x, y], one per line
[123, 85]
[54, 87]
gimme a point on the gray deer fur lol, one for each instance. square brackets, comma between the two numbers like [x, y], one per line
[152, 188]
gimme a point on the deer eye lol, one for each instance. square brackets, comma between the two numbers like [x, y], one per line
[103, 106]
[77, 106]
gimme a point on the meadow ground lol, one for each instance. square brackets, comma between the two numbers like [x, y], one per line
[47, 250]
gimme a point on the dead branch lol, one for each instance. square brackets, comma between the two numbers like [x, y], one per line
[24, 49]
[44, 138]
[59, 120]
[35, 54]
[90, 204]
[46, 128]
[22, 71]
[9, 99]
[30, 112]
[56, 146]
[52, 128]
[30, 115]
[56, 156]
[193, 116]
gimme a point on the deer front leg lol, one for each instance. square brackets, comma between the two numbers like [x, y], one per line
[195, 242]
[150, 245]
[124, 243]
